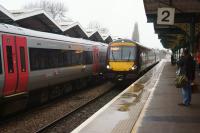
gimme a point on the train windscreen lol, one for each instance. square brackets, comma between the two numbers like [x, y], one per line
[124, 53]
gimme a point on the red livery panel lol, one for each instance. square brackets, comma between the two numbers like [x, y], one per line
[15, 64]
[9, 54]
[22, 59]
[95, 60]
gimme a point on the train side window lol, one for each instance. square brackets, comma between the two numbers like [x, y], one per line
[60, 58]
[66, 57]
[35, 58]
[81, 58]
[88, 56]
[74, 60]
[84, 58]
[0, 62]
[10, 59]
[52, 58]
[91, 57]
[102, 56]
[77, 57]
[22, 57]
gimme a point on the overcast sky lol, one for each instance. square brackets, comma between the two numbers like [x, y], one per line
[118, 16]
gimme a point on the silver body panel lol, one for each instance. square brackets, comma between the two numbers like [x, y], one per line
[49, 77]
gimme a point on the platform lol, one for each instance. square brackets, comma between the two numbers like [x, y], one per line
[149, 109]
[161, 113]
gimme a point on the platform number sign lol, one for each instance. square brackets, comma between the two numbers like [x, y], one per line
[165, 16]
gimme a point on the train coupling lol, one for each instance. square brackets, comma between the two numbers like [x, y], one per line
[120, 77]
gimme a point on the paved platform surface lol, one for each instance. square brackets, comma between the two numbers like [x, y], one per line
[161, 114]
[120, 114]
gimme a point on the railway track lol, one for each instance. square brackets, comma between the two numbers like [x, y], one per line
[53, 123]
[69, 122]
[40, 119]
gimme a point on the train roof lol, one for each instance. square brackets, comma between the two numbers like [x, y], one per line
[130, 41]
[27, 32]
[123, 40]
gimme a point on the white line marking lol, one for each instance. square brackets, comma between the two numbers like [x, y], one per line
[138, 123]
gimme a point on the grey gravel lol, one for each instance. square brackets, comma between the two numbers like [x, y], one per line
[32, 121]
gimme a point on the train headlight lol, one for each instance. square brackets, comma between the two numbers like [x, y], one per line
[108, 67]
[134, 67]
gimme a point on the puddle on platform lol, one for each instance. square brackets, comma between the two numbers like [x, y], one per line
[128, 95]
[124, 108]
[130, 98]
[143, 80]
[137, 87]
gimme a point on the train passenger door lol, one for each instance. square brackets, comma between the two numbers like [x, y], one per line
[9, 56]
[15, 56]
[95, 60]
[22, 58]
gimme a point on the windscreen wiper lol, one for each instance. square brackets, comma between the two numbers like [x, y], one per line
[129, 55]
[113, 56]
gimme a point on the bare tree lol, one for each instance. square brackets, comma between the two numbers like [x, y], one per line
[56, 10]
[94, 25]
[135, 35]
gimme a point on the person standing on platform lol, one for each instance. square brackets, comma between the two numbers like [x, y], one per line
[187, 67]
[172, 59]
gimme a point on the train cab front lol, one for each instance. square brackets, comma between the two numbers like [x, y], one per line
[121, 62]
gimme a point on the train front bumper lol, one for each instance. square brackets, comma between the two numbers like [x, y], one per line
[121, 75]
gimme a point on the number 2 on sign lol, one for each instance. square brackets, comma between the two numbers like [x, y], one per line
[166, 16]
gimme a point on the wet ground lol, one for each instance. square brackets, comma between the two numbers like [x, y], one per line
[123, 111]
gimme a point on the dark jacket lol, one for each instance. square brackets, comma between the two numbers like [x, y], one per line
[187, 67]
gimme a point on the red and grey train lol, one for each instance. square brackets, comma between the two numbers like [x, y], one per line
[33, 63]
